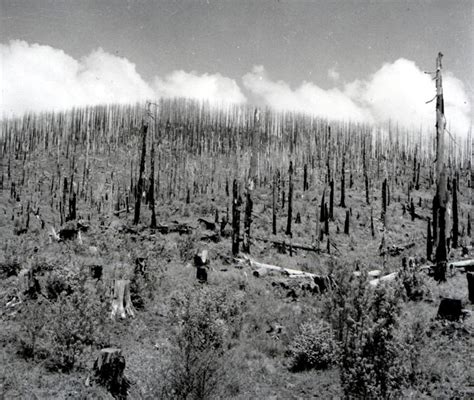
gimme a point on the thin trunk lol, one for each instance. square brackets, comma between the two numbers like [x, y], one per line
[139, 191]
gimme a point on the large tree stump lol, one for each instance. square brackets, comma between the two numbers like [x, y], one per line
[108, 371]
[470, 286]
[122, 303]
[450, 309]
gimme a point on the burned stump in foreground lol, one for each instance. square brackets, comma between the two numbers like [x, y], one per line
[470, 286]
[450, 309]
[108, 371]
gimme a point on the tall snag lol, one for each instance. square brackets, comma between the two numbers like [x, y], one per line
[290, 199]
[138, 199]
[252, 177]
[441, 185]
[151, 189]
[236, 203]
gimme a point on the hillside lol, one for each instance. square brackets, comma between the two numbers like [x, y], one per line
[237, 336]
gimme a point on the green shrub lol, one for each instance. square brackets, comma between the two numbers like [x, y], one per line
[314, 347]
[205, 320]
[77, 321]
[366, 320]
[187, 247]
[9, 267]
[32, 317]
[413, 284]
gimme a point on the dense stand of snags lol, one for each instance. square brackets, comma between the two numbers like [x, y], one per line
[200, 149]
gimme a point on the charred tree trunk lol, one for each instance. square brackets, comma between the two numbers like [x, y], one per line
[455, 215]
[108, 371]
[384, 202]
[346, 223]
[331, 200]
[138, 200]
[441, 187]
[274, 205]
[247, 223]
[236, 203]
[343, 183]
[290, 199]
[305, 178]
[251, 182]
[429, 241]
[152, 186]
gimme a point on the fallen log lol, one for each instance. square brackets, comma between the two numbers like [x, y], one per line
[176, 228]
[385, 278]
[285, 244]
[394, 250]
[292, 273]
[468, 265]
[373, 274]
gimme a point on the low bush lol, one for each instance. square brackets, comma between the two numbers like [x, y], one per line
[77, 321]
[205, 320]
[313, 347]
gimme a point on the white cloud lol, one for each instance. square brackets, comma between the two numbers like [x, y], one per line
[35, 77]
[307, 98]
[398, 91]
[214, 87]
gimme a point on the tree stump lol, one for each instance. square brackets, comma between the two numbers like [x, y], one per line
[122, 303]
[108, 371]
[470, 286]
[201, 262]
[450, 309]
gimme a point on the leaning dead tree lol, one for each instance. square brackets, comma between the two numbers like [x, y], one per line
[441, 198]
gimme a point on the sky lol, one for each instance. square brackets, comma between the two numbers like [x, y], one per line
[361, 60]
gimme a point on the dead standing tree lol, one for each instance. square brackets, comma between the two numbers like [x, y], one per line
[441, 184]
[251, 181]
[139, 191]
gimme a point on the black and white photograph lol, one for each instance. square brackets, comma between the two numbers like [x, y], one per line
[236, 199]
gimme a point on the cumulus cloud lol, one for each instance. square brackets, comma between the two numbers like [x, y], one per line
[398, 91]
[214, 87]
[36, 77]
[307, 98]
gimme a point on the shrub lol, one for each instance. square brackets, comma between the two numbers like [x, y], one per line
[366, 320]
[314, 347]
[9, 267]
[205, 321]
[77, 321]
[33, 318]
[187, 246]
[413, 284]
